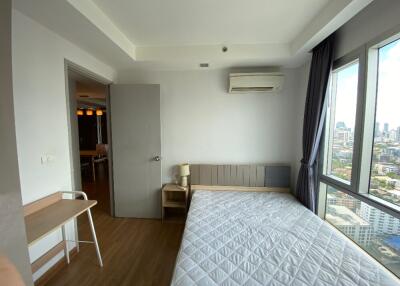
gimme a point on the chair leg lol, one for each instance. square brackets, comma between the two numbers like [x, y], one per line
[66, 250]
[94, 237]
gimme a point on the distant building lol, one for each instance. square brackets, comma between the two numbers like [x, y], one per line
[377, 130]
[398, 134]
[380, 222]
[392, 135]
[343, 153]
[342, 200]
[343, 135]
[341, 125]
[393, 151]
[395, 193]
[384, 169]
[386, 128]
[383, 157]
[349, 223]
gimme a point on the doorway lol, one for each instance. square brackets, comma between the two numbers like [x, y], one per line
[90, 137]
[124, 179]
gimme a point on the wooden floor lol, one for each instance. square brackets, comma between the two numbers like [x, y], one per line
[135, 251]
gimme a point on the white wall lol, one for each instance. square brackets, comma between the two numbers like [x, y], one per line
[202, 123]
[41, 112]
[13, 242]
[377, 18]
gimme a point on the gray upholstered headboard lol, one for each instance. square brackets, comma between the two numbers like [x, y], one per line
[257, 175]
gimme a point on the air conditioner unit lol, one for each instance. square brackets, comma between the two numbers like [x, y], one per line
[255, 82]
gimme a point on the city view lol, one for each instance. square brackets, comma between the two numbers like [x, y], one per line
[385, 171]
[374, 230]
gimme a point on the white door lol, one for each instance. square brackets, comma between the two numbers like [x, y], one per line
[136, 150]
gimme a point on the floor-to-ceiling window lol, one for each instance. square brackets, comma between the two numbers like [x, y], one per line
[360, 158]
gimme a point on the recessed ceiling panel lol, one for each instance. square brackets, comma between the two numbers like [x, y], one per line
[194, 22]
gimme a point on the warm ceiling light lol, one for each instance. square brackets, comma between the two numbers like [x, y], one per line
[79, 112]
[89, 112]
[99, 112]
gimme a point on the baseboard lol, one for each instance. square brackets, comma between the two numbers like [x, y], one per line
[55, 269]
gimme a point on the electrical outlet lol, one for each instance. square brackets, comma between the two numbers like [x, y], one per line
[43, 159]
[46, 159]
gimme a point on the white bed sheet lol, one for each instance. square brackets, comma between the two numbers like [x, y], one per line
[249, 238]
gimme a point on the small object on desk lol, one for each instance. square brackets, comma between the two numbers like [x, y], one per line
[184, 171]
[174, 202]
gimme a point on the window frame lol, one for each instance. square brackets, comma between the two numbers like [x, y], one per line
[371, 97]
[357, 55]
[367, 56]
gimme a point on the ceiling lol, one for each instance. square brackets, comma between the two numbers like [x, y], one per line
[205, 22]
[181, 34]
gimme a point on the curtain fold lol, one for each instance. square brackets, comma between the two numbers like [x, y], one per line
[314, 117]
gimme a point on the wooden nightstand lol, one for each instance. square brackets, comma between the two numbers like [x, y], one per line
[174, 201]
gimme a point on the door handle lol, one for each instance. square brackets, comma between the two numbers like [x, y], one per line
[157, 158]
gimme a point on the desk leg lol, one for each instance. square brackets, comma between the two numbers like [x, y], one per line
[93, 170]
[76, 235]
[66, 250]
[94, 237]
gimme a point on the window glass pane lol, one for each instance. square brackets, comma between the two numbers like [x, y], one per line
[340, 122]
[375, 231]
[385, 169]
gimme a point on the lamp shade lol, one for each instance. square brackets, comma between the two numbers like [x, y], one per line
[184, 170]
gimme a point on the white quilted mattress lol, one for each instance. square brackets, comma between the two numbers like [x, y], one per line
[248, 238]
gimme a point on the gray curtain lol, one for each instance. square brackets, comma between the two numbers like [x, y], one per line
[314, 117]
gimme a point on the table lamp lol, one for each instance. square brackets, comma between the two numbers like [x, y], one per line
[184, 171]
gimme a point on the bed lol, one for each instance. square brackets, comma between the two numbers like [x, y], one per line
[257, 237]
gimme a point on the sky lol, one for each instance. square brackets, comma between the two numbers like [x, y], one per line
[388, 103]
[346, 95]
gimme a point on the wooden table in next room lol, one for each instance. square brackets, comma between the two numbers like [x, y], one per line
[92, 154]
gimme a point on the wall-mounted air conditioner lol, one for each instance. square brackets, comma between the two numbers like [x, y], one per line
[255, 82]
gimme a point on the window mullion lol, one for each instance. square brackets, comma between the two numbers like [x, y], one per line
[331, 123]
[335, 182]
[375, 202]
[359, 123]
[370, 75]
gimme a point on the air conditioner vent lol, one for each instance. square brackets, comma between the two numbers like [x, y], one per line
[254, 88]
